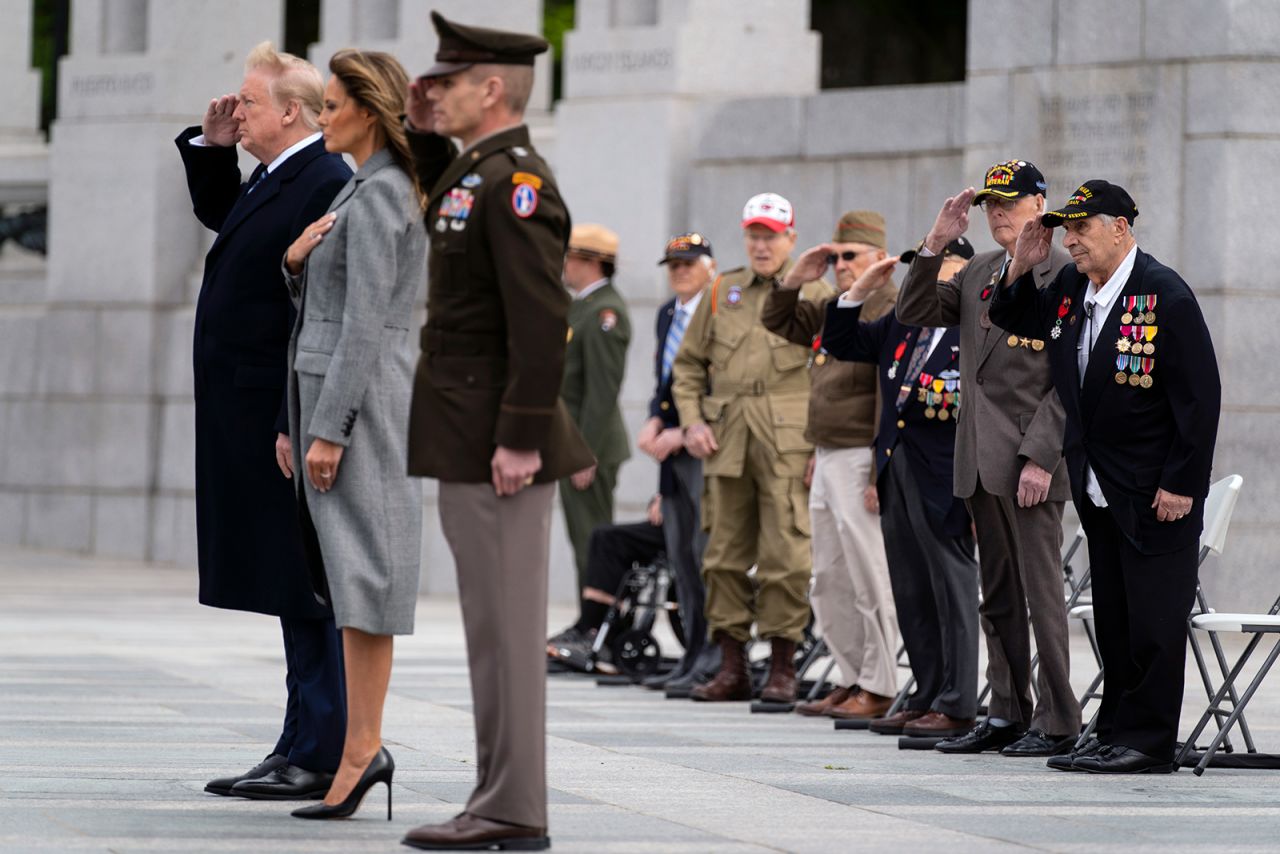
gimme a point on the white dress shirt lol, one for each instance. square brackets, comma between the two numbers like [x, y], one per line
[283, 156]
[1098, 304]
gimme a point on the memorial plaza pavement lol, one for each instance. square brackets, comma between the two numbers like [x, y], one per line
[120, 696]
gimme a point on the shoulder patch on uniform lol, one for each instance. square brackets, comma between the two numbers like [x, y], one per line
[524, 200]
[608, 319]
[527, 178]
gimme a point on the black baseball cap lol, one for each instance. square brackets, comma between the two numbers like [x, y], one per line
[1012, 179]
[462, 46]
[686, 247]
[1094, 197]
[960, 247]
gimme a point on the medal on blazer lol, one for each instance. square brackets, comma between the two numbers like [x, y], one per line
[818, 356]
[1151, 308]
[1121, 362]
[1064, 308]
[991, 285]
[892, 373]
[1127, 317]
[1149, 333]
[1126, 332]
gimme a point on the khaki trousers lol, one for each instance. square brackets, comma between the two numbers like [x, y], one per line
[852, 599]
[500, 546]
[759, 518]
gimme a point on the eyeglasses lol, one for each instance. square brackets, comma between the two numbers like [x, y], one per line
[1005, 205]
[846, 255]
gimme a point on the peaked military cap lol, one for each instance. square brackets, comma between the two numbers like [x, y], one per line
[462, 46]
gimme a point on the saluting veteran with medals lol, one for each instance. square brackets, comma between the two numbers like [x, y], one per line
[1140, 433]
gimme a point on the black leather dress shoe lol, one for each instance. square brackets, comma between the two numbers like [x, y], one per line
[1116, 759]
[981, 738]
[289, 783]
[222, 785]
[1039, 743]
[1066, 762]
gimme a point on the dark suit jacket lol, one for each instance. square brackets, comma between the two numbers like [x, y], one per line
[493, 348]
[247, 529]
[929, 443]
[662, 405]
[1136, 439]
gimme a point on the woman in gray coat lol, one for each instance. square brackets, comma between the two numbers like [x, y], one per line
[353, 275]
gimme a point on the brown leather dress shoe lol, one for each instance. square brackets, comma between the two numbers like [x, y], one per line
[894, 723]
[938, 725]
[818, 708]
[466, 832]
[862, 706]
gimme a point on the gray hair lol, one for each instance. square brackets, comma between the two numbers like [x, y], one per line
[292, 79]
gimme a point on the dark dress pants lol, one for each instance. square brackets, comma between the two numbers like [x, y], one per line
[935, 589]
[685, 540]
[613, 548]
[315, 718]
[1140, 607]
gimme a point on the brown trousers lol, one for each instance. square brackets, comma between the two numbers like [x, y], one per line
[500, 546]
[1020, 562]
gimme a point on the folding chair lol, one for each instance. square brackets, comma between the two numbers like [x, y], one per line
[1256, 625]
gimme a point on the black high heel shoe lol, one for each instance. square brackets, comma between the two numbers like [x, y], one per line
[380, 770]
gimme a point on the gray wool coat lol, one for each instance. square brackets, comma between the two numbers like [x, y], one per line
[352, 359]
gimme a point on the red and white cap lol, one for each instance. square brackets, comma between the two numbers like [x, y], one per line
[770, 210]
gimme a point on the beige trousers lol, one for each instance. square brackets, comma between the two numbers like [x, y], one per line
[852, 600]
[500, 546]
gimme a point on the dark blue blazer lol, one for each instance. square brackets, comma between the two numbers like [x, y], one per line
[929, 443]
[1136, 439]
[662, 405]
[248, 536]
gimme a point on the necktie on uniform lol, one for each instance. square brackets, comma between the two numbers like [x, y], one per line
[918, 357]
[671, 346]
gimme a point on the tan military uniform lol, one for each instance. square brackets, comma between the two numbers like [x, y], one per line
[756, 504]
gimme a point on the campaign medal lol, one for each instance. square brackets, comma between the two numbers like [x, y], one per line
[820, 359]
[1127, 317]
[943, 415]
[1146, 381]
[1151, 308]
[1135, 364]
[1149, 333]
[892, 373]
[816, 356]
[1064, 308]
[1121, 361]
[930, 413]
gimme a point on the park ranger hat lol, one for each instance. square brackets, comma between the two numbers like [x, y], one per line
[1093, 197]
[462, 46]
[1012, 179]
[686, 247]
[593, 241]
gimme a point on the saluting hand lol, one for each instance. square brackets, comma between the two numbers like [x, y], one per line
[417, 108]
[219, 125]
[1170, 507]
[873, 278]
[308, 240]
[322, 463]
[952, 221]
[811, 264]
[1034, 242]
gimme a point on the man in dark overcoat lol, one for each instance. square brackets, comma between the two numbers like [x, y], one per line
[247, 528]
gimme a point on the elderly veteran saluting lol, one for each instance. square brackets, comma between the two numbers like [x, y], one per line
[1132, 361]
[743, 395]
[486, 419]
[1008, 467]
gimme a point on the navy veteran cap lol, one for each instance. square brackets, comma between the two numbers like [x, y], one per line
[1012, 179]
[1093, 197]
[462, 46]
[686, 247]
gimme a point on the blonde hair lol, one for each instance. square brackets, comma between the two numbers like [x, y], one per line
[517, 82]
[378, 83]
[292, 79]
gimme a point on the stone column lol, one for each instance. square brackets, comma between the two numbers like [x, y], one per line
[102, 447]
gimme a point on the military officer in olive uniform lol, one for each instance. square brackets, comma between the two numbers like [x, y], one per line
[743, 397]
[486, 419]
[599, 332]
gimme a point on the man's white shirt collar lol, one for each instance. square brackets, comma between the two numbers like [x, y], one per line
[1105, 295]
[292, 150]
[691, 306]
